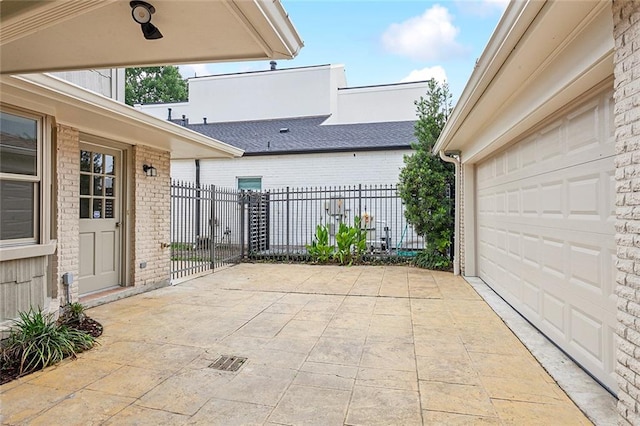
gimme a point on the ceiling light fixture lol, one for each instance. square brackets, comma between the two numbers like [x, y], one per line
[141, 12]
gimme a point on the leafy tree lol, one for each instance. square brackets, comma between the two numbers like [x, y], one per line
[426, 180]
[154, 84]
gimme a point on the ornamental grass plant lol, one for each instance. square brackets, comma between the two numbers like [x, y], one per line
[37, 340]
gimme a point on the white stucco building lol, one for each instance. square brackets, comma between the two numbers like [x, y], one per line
[298, 127]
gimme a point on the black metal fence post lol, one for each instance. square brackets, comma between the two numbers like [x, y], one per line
[212, 227]
[288, 222]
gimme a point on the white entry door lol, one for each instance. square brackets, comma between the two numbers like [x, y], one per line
[100, 218]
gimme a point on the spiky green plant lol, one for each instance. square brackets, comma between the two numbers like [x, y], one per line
[37, 340]
[72, 313]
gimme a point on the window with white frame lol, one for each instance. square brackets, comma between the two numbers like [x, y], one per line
[250, 183]
[20, 177]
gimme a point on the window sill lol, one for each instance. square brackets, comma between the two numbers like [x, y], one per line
[24, 252]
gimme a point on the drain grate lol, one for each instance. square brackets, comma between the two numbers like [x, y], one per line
[228, 363]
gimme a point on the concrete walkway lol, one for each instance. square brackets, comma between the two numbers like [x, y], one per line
[325, 345]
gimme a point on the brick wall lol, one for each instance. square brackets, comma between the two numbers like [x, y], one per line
[66, 200]
[626, 20]
[280, 171]
[151, 210]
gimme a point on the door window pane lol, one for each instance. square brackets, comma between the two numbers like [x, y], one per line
[85, 185]
[97, 163]
[84, 208]
[108, 208]
[17, 201]
[85, 161]
[109, 164]
[108, 185]
[97, 186]
[97, 209]
[18, 145]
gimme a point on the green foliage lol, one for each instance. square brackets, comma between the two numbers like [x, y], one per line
[425, 178]
[73, 313]
[351, 241]
[145, 85]
[320, 250]
[351, 244]
[37, 340]
[432, 258]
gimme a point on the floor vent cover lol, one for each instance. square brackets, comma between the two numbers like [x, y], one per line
[228, 363]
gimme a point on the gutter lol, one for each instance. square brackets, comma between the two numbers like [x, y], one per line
[514, 22]
[454, 157]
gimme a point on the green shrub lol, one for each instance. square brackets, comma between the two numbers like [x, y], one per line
[73, 313]
[320, 250]
[352, 243]
[37, 341]
[431, 258]
[425, 181]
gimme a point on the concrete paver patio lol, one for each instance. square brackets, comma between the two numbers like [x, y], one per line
[326, 345]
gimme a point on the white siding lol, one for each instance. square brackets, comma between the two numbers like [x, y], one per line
[296, 92]
[279, 171]
[108, 82]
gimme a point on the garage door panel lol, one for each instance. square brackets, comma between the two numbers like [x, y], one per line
[545, 232]
[553, 257]
[587, 334]
[583, 127]
[553, 312]
[583, 193]
[582, 261]
[548, 143]
[586, 267]
[531, 295]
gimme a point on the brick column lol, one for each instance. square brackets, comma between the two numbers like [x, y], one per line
[151, 218]
[626, 21]
[66, 201]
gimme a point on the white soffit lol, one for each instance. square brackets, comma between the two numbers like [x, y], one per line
[540, 57]
[56, 35]
[98, 115]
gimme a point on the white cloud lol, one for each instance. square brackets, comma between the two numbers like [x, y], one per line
[192, 70]
[428, 37]
[437, 73]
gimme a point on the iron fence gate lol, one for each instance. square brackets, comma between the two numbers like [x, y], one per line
[206, 228]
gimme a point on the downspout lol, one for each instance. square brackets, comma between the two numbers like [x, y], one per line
[198, 236]
[454, 157]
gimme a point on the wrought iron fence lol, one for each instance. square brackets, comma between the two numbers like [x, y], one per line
[212, 226]
[292, 214]
[206, 228]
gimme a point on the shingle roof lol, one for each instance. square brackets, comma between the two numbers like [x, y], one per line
[306, 134]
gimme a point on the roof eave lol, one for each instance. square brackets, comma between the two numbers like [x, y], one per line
[542, 56]
[104, 117]
[514, 22]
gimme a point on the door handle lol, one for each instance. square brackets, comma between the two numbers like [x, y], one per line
[118, 224]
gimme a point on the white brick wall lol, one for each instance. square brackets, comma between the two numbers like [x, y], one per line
[300, 170]
[626, 19]
[151, 218]
[67, 225]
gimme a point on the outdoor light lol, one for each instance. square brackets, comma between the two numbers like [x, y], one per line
[150, 171]
[141, 12]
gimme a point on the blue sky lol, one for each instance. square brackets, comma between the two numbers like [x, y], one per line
[382, 42]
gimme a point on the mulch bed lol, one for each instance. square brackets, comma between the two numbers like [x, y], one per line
[11, 371]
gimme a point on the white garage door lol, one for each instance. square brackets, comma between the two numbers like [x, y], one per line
[546, 213]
